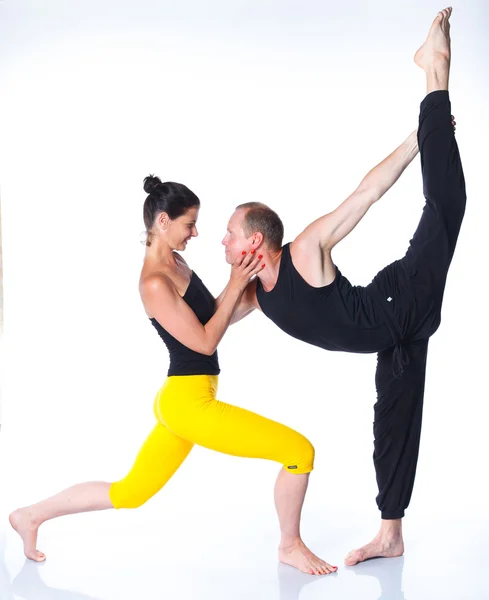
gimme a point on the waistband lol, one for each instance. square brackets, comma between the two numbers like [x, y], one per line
[193, 384]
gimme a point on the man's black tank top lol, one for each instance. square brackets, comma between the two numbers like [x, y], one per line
[183, 360]
[337, 316]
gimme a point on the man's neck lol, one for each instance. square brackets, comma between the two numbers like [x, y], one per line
[269, 275]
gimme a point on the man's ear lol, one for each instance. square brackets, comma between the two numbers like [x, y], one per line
[257, 239]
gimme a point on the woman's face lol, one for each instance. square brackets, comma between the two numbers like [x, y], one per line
[182, 229]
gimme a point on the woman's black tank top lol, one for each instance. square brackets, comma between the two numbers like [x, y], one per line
[183, 360]
[337, 316]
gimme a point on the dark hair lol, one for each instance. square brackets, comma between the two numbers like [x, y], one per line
[173, 198]
[260, 217]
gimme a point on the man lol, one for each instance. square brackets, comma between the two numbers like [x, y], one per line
[305, 294]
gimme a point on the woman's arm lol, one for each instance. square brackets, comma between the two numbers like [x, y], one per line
[162, 300]
[246, 305]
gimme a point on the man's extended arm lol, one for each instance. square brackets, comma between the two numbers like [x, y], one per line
[330, 229]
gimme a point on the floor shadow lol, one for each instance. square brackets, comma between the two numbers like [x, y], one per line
[29, 585]
[291, 581]
[388, 571]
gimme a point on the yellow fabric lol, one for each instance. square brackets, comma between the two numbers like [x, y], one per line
[188, 413]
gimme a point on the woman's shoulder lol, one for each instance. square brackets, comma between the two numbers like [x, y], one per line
[155, 281]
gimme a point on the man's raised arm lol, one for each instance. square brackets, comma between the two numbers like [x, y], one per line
[330, 229]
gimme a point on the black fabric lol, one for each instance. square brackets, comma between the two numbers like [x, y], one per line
[416, 285]
[184, 361]
[396, 314]
[337, 316]
[397, 427]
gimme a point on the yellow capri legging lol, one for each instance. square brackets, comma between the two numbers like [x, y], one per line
[188, 413]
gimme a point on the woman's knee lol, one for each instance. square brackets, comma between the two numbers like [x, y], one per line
[124, 495]
[302, 454]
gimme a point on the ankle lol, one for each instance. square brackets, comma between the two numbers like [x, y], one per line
[390, 529]
[438, 63]
[289, 541]
[437, 75]
[33, 517]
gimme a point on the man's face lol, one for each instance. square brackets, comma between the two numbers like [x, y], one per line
[235, 239]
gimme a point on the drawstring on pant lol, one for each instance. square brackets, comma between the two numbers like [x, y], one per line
[400, 357]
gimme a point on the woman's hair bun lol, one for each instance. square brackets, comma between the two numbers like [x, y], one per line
[151, 183]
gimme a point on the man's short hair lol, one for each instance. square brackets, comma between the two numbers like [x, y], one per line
[260, 217]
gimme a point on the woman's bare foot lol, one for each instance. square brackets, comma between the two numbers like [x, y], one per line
[299, 556]
[24, 524]
[434, 55]
[387, 544]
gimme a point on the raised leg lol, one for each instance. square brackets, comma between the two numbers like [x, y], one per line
[443, 179]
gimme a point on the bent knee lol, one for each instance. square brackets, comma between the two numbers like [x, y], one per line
[124, 495]
[300, 457]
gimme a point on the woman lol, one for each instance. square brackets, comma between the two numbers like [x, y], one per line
[182, 311]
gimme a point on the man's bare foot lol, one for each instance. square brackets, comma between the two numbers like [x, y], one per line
[299, 556]
[434, 54]
[24, 524]
[381, 547]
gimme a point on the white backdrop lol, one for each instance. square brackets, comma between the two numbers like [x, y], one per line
[283, 102]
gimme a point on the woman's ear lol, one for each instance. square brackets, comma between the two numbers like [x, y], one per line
[164, 221]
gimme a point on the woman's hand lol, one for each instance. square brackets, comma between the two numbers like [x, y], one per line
[244, 268]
